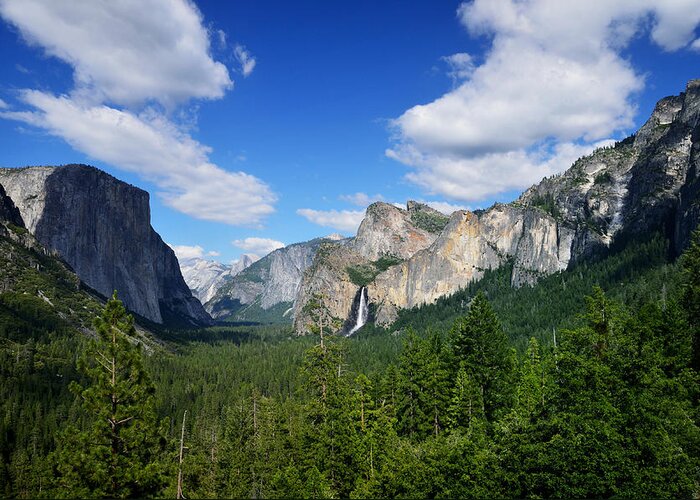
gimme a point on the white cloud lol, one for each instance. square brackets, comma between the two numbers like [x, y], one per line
[461, 66]
[696, 45]
[245, 59]
[478, 177]
[553, 82]
[3, 104]
[130, 59]
[185, 252]
[361, 199]
[443, 206]
[150, 145]
[213, 253]
[343, 220]
[260, 246]
[128, 52]
[221, 35]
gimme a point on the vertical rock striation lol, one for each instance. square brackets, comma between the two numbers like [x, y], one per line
[387, 234]
[101, 227]
[272, 280]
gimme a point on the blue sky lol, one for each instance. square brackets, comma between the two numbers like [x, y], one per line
[256, 123]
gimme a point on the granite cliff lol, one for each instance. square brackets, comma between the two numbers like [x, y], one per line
[387, 236]
[205, 277]
[271, 282]
[647, 182]
[100, 226]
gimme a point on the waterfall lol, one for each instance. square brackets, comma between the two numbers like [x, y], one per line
[362, 312]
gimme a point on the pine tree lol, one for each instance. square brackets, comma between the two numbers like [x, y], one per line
[422, 389]
[481, 348]
[466, 409]
[118, 454]
[691, 292]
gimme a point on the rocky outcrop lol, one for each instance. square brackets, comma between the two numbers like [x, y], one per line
[243, 262]
[101, 227]
[272, 280]
[388, 230]
[328, 279]
[205, 277]
[470, 244]
[387, 235]
[648, 182]
[9, 213]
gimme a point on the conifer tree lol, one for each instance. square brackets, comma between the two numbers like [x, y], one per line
[481, 348]
[691, 292]
[118, 454]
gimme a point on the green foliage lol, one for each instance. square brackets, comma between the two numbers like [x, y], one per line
[422, 394]
[118, 455]
[481, 349]
[430, 221]
[385, 262]
[690, 265]
[364, 274]
[602, 179]
[279, 313]
[547, 203]
[361, 274]
[448, 411]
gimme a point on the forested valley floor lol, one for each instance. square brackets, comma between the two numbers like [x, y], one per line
[583, 385]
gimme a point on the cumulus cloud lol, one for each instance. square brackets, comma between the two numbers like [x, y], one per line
[475, 178]
[185, 252]
[443, 206]
[152, 146]
[553, 82]
[343, 220]
[245, 59]
[259, 246]
[361, 199]
[461, 66]
[128, 52]
[130, 60]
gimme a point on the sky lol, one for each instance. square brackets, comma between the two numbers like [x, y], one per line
[254, 124]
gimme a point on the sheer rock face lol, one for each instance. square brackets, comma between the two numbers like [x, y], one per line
[271, 280]
[469, 245]
[389, 230]
[327, 278]
[648, 182]
[386, 231]
[9, 213]
[101, 227]
[205, 277]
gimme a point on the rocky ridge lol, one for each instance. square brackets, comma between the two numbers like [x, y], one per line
[645, 183]
[387, 236]
[273, 280]
[205, 277]
[101, 227]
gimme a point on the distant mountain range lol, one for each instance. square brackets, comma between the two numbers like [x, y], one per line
[412, 256]
[647, 182]
[99, 228]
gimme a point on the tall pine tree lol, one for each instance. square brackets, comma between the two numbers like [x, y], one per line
[481, 348]
[118, 454]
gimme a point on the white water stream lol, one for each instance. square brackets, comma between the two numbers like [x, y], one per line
[362, 312]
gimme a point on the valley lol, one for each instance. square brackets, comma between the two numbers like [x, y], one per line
[545, 347]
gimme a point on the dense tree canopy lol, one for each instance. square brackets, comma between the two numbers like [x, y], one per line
[457, 402]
